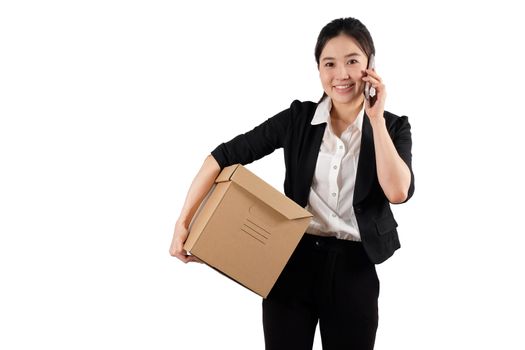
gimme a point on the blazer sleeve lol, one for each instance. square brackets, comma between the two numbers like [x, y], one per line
[256, 143]
[403, 143]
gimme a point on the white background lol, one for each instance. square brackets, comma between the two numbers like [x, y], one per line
[108, 109]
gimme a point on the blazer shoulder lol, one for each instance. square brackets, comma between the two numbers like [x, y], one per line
[389, 116]
[302, 111]
[395, 121]
[303, 107]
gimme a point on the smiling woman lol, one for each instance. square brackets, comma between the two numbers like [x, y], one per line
[341, 72]
[347, 159]
[353, 30]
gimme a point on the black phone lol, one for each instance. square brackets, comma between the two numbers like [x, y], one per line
[370, 91]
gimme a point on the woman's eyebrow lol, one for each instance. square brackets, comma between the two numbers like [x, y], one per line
[346, 56]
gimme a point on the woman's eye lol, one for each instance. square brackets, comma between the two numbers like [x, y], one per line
[329, 64]
[352, 61]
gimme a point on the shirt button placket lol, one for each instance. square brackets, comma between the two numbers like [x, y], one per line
[340, 147]
[333, 179]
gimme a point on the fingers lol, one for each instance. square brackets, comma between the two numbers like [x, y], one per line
[373, 79]
[180, 235]
[177, 251]
[176, 248]
[375, 105]
[193, 258]
[185, 258]
[372, 73]
[376, 83]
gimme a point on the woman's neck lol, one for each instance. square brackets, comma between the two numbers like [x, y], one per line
[346, 112]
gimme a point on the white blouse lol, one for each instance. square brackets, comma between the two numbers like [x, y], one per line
[332, 190]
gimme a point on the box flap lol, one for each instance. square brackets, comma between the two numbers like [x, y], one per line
[261, 189]
[226, 173]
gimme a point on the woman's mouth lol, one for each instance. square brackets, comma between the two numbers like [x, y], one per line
[343, 89]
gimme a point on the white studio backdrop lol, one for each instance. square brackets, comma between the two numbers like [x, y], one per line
[108, 109]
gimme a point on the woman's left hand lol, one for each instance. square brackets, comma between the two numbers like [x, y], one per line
[376, 111]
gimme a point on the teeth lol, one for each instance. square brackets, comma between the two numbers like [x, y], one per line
[342, 86]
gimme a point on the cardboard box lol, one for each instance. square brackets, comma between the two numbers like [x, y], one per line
[246, 229]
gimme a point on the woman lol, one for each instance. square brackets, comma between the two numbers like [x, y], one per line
[346, 160]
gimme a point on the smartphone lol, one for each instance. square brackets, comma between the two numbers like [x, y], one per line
[370, 91]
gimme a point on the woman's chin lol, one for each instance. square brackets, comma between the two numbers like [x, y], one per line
[347, 99]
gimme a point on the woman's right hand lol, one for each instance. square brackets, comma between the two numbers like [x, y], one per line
[201, 185]
[180, 235]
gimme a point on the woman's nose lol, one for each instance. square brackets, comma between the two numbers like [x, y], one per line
[342, 74]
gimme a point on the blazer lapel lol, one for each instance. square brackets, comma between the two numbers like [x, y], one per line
[366, 167]
[309, 159]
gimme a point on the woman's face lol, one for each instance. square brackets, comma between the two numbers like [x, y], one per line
[341, 67]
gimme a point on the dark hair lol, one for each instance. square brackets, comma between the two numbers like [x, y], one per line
[348, 26]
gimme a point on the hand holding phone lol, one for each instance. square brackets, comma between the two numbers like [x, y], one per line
[370, 91]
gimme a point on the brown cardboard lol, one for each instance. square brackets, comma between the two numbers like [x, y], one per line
[246, 229]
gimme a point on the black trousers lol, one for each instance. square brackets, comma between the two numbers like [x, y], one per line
[327, 280]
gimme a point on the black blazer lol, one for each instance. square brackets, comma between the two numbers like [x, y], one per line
[292, 130]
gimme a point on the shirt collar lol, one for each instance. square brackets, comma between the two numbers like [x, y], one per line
[322, 113]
